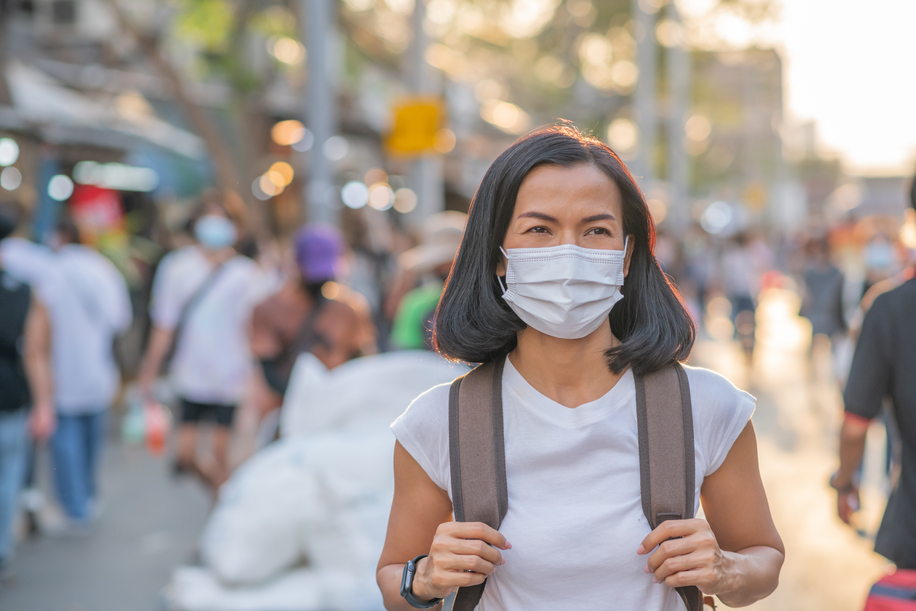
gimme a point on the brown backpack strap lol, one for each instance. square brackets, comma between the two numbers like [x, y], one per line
[666, 453]
[477, 452]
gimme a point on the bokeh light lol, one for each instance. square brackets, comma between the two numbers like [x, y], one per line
[336, 148]
[622, 135]
[284, 171]
[9, 151]
[288, 132]
[658, 209]
[10, 179]
[258, 192]
[506, 116]
[268, 186]
[624, 74]
[375, 175]
[669, 33]
[697, 128]
[60, 187]
[381, 197]
[305, 143]
[287, 50]
[717, 217]
[405, 200]
[355, 194]
[445, 141]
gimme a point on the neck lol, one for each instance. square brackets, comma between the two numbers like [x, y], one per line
[568, 371]
[216, 256]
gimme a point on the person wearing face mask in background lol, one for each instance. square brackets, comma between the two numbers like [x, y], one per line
[881, 383]
[202, 299]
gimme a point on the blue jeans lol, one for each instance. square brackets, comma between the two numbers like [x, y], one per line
[76, 447]
[13, 452]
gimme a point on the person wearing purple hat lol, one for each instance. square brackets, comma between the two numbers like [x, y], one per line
[310, 313]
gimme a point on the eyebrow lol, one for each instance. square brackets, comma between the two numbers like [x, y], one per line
[547, 217]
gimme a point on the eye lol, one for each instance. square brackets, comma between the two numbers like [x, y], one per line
[599, 231]
[538, 229]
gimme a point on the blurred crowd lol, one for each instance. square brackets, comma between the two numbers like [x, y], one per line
[208, 333]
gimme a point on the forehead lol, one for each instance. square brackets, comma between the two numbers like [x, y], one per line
[580, 188]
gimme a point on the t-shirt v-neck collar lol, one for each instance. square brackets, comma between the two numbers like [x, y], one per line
[528, 397]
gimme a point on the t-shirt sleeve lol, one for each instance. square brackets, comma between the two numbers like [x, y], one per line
[720, 413]
[868, 380]
[165, 306]
[423, 431]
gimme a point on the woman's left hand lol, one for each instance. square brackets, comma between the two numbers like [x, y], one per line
[688, 554]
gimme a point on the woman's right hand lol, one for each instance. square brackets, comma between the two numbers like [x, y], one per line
[462, 554]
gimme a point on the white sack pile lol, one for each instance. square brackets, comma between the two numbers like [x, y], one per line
[300, 525]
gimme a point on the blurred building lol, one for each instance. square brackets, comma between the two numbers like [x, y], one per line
[734, 135]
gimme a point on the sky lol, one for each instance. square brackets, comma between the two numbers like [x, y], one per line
[850, 66]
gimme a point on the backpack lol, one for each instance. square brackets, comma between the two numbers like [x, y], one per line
[894, 592]
[478, 459]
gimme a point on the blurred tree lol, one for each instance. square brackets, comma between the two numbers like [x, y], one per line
[223, 35]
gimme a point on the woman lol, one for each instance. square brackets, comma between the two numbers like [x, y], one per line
[579, 539]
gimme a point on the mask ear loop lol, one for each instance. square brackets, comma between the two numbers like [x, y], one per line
[626, 243]
[499, 279]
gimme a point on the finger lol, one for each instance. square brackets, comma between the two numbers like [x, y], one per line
[695, 577]
[670, 549]
[476, 547]
[668, 529]
[679, 564]
[479, 530]
[475, 564]
[445, 579]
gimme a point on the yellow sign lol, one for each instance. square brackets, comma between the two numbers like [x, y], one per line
[416, 123]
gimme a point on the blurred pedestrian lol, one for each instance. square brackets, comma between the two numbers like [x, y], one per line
[879, 260]
[33, 264]
[431, 261]
[202, 299]
[87, 378]
[740, 277]
[25, 383]
[310, 313]
[883, 367]
[822, 297]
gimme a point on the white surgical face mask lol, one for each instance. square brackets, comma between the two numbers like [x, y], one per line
[564, 291]
[215, 232]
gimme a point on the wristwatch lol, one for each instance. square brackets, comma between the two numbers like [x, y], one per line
[410, 571]
[841, 489]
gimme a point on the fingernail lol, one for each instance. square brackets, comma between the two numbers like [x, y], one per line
[654, 580]
[502, 562]
[508, 545]
[640, 550]
[645, 569]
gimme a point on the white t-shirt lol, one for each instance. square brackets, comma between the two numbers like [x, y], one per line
[97, 308]
[212, 361]
[575, 514]
[88, 304]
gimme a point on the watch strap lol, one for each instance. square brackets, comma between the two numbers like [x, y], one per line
[407, 577]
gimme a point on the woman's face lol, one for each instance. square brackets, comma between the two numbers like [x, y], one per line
[559, 205]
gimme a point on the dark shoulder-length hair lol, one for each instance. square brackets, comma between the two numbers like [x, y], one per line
[474, 323]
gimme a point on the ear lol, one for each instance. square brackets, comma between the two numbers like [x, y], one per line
[631, 244]
[501, 266]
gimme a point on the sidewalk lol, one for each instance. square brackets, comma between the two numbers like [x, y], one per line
[797, 420]
[150, 524]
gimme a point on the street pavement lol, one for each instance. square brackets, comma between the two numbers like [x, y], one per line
[151, 522]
